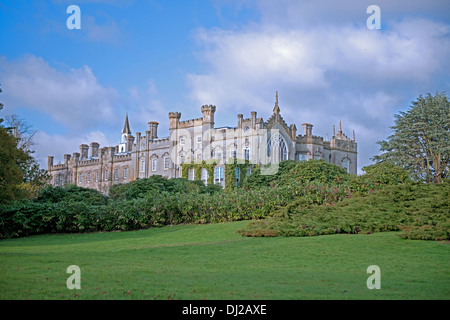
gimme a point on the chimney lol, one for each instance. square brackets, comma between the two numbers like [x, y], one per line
[307, 129]
[76, 155]
[130, 141]
[66, 159]
[253, 119]
[94, 149]
[153, 126]
[84, 149]
[240, 119]
[50, 162]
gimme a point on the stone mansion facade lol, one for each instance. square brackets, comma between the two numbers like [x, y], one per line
[196, 140]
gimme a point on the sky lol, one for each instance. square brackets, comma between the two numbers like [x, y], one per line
[146, 58]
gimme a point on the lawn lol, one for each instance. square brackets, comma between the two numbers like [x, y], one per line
[214, 262]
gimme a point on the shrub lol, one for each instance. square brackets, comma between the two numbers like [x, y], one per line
[420, 210]
[71, 193]
[385, 173]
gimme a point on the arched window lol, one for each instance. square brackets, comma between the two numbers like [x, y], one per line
[346, 164]
[277, 149]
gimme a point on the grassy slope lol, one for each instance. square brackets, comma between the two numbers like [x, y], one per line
[214, 262]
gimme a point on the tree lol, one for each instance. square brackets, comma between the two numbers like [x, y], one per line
[11, 173]
[20, 175]
[22, 131]
[421, 139]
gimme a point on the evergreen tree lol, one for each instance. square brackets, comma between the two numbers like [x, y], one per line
[421, 139]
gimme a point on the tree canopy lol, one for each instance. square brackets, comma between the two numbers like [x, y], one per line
[20, 175]
[421, 139]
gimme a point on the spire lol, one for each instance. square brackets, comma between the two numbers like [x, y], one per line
[340, 128]
[126, 127]
[276, 109]
[334, 131]
[354, 135]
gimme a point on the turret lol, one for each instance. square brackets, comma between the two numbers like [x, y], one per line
[174, 118]
[208, 114]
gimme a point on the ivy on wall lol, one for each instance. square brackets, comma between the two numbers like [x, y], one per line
[208, 165]
[230, 171]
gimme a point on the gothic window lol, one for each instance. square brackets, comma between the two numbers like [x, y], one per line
[142, 165]
[317, 156]
[154, 164]
[277, 148]
[346, 164]
[125, 173]
[96, 176]
[88, 176]
[116, 174]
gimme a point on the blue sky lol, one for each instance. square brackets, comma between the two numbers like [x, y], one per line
[148, 57]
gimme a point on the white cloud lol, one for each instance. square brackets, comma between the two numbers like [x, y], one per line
[324, 72]
[72, 97]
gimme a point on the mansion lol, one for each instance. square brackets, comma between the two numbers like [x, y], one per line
[193, 141]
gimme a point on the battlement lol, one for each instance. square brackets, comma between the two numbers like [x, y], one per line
[88, 162]
[310, 139]
[122, 157]
[190, 123]
[161, 141]
[58, 166]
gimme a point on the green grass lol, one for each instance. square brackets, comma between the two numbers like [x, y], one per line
[214, 262]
